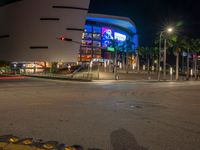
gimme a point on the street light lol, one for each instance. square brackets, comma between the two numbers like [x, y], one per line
[168, 30]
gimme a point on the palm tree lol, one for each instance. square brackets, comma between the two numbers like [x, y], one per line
[129, 49]
[123, 55]
[154, 55]
[187, 44]
[125, 47]
[177, 45]
[141, 56]
[137, 54]
[122, 48]
[148, 56]
[115, 45]
[145, 53]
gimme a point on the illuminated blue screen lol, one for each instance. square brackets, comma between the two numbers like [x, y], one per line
[107, 37]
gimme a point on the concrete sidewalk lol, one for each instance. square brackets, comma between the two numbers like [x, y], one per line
[95, 75]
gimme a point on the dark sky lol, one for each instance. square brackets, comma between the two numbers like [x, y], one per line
[150, 16]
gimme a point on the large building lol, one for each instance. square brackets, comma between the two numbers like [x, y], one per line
[105, 34]
[29, 29]
[39, 33]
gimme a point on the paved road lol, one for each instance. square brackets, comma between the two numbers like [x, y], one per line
[119, 115]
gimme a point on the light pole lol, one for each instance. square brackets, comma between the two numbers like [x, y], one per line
[169, 30]
[160, 47]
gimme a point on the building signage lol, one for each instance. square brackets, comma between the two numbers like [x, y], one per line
[119, 36]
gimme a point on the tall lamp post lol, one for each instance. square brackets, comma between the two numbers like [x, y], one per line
[169, 30]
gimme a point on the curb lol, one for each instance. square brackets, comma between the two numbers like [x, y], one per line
[59, 78]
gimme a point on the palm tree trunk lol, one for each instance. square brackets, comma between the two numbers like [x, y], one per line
[182, 63]
[177, 66]
[188, 67]
[195, 67]
[148, 66]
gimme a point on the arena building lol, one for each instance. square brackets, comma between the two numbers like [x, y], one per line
[104, 35]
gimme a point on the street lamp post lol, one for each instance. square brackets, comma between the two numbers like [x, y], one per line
[169, 30]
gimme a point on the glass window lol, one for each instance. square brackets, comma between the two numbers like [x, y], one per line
[88, 28]
[96, 29]
[86, 51]
[97, 37]
[97, 51]
[86, 57]
[87, 36]
[86, 42]
[97, 43]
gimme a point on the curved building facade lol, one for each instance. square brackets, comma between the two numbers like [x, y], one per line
[36, 35]
[104, 35]
[30, 30]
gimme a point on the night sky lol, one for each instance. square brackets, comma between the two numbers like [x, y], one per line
[150, 16]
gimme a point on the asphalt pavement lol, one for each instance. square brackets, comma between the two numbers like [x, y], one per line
[109, 115]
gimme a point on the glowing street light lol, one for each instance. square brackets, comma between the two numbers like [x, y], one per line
[169, 30]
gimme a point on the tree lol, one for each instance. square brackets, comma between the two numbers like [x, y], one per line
[154, 56]
[146, 56]
[137, 54]
[177, 45]
[128, 46]
[115, 45]
[187, 44]
[123, 55]
[4, 67]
